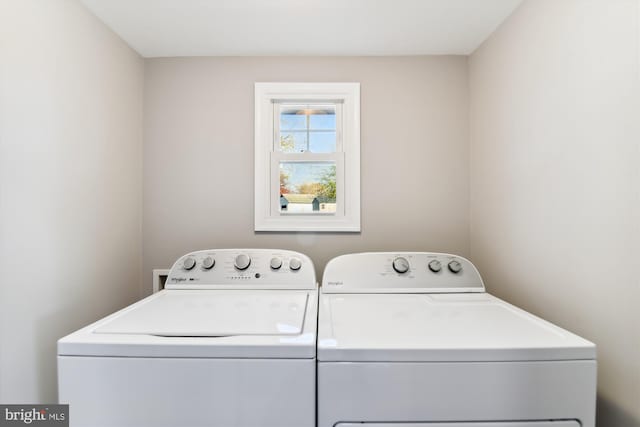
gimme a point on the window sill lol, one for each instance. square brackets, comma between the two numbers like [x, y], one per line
[312, 223]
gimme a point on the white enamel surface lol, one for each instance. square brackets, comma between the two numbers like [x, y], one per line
[436, 350]
[188, 392]
[473, 424]
[220, 312]
[208, 355]
[254, 271]
[374, 272]
[440, 327]
[213, 313]
[161, 28]
[454, 392]
[135, 344]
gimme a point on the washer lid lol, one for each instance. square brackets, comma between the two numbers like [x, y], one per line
[213, 314]
[438, 327]
[205, 324]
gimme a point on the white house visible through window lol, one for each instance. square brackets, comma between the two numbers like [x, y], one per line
[307, 157]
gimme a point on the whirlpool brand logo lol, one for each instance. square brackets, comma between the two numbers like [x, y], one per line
[36, 415]
[335, 283]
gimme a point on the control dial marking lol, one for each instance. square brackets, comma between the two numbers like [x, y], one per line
[455, 267]
[435, 265]
[400, 265]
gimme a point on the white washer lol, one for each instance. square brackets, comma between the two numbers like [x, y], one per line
[231, 341]
[413, 340]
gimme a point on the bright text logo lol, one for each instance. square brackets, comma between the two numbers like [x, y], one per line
[35, 415]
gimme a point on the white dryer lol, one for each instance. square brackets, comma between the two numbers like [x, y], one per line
[413, 340]
[231, 341]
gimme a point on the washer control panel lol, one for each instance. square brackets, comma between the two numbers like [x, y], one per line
[398, 272]
[242, 269]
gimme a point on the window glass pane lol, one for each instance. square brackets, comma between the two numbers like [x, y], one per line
[292, 119]
[324, 118]
[307, 187]
[293, 142]
[322, 142]
[309, 127]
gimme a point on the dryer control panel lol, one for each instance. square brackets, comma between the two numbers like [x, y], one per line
[401, 272]
[242, 269]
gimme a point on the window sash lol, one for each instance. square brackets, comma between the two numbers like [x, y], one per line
[274, 199]
[275, 105]
[277, 156]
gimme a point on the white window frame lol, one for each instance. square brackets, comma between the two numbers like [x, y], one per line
[268, 216]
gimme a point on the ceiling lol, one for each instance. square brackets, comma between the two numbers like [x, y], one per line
[160, 28]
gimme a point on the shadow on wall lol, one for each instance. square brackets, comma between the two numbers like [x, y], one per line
[54, 326]
[610, 414]
[48, 330]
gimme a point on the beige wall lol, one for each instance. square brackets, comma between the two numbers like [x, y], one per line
[554, 99]
[70, 184]
[555, 184]
[198, 155]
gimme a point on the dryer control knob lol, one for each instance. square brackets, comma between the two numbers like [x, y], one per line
[208, 263]
[435, 265]
[295, 264]
[188, 263]
[455, 267]
[242, 262]
[275, 263]
[401, 265]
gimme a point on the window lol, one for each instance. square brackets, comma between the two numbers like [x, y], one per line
[307, 157]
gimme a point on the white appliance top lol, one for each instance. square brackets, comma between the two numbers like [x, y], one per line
[429, 324]
[222, 313]
[254, 303]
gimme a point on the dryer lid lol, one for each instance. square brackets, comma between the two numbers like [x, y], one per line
[440, 327]
[213, 314]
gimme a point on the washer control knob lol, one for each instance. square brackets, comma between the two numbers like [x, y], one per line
[208, 263]
[188, 263]
[455, 267]
[435, 265]
[242, 262]
[401, 265]
[275, 263]
[295, 264]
